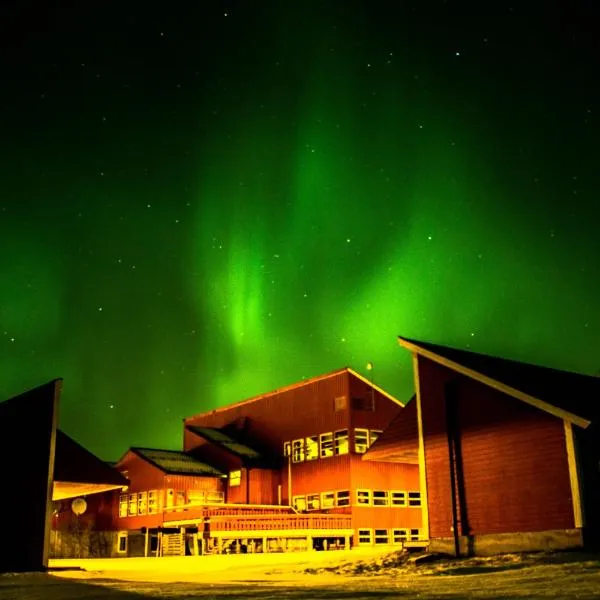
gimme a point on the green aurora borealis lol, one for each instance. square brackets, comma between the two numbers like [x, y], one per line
[196, 208]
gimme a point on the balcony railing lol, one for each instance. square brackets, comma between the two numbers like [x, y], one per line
[280, 523]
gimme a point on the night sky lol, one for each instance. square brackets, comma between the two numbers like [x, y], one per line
[202, 201]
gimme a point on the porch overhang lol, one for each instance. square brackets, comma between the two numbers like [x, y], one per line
[65, 490]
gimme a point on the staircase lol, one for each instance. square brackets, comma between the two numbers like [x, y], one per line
[172, 544]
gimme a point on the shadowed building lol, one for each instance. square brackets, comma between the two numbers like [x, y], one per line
[508, 452]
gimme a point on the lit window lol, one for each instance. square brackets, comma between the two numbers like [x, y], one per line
[341, 442]
[142, 503]
[287, 448]
[414, 498]
[398, 498]
[122, 542]
[312, 447]
[380, 498]
[328, 499]
[297, 451]
[299, 503]
[326, 440]
[152, 502]
[342, 498]
[235, 478]
[381, 536]
[340, 403]
[195, 497]
[365, 536]
[123, 504]
[313, 502]
[216, 497]
[170, 498]
[399, 536]
[179, 498]
[363, 497]
[361, 440]
[374, 435]
[132, 511]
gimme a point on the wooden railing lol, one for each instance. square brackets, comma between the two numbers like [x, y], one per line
[200, 510]
[287, 522]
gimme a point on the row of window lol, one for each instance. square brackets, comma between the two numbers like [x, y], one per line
[332, 443]
[341, 498]
[387, 536]
[149, 503]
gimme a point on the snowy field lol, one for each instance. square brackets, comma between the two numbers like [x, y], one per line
[316, 576]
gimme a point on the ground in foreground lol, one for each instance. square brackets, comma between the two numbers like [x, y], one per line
[316, 575]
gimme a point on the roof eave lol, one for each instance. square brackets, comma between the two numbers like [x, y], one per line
[497, 385]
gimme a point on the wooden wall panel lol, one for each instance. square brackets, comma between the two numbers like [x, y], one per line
[380, 517]
[142, 475]
[315, 476]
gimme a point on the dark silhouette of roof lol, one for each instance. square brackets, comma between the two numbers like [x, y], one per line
[174, 462]
[574, 393]
[223, 440]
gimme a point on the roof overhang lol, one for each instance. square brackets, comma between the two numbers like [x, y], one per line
[376, 387]
[493, 383]
[392, 455]
[64, 490]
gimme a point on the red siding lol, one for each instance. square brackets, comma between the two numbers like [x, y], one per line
[514, 459]
[285, 415]
[315, 476]
[263, 486]
[381, 417]
[100, 513]
[379, 517]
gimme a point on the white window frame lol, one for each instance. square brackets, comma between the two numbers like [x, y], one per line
[287, 449]
[341, 442]
[124, 505]
[122, 535]
[313, 501]
[311, 449]
[132, 508]
[414, 499]
[142, 503]
[374, 433]
[369, 497]
[414, 535]
[298, 450]
[363, 446]
[398, 498]
[379, 538]
[215, 497]
[299, 503]
[399, 536]
[326, 451]
[235, 478]
[382, 498]
[328, 500]
[153, 504]
[343, 500]
[362, 533]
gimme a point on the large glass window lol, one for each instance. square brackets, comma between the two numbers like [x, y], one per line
[341, 442]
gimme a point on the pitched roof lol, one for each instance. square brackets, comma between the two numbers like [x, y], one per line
[399, 442]
[174, 462]
[300, 384]
[219, 438]
[571, 396]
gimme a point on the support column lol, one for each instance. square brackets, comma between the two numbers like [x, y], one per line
[422, 465]
[574, 476]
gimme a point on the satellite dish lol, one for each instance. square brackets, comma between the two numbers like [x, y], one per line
[79, 506]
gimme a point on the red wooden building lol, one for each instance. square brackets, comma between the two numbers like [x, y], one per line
[280, 471]
[508, 452]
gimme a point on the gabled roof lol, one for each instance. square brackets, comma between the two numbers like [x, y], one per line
[173, 462]
[399, 442]
[217, 437]
[570, 396]
[300, 384]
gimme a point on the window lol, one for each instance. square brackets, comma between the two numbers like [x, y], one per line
[313, 501]
[287, 448]
[297, 451]
[152, 502]
[235, 478]
[365, 536]
[123, 504]
[142, 503]
[414, 535]
[216, 497]
[375, 433]
[381, 536]
[179, 498]
[326, 440]
[341, 442]
[366, 403]
[312, 447]
[398, 498]
[380, 498]
[342, 498]
[170, 498]
[414, 498]
[363, 497]
[340, 403]
[399, 536]
[328, 499]
[361, 440]
[132, 511]
[299, 503]
[122, 542]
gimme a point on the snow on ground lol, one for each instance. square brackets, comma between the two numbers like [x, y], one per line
[316, 575]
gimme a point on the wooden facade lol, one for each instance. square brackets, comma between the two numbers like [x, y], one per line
[502, 467]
